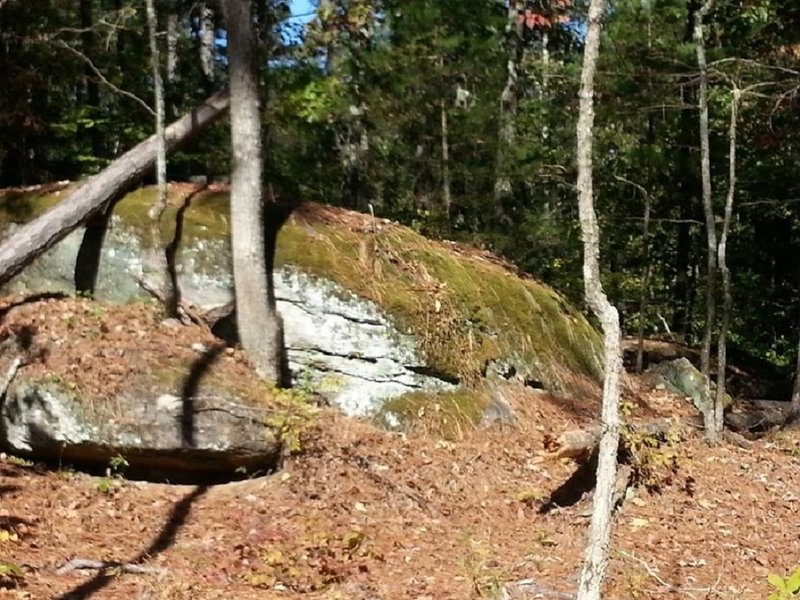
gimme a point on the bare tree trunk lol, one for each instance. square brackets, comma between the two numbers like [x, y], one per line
[87, 263]
[596, 556]
[172, 45]
[708, 209]
[258, 322]
[446, 197]
[207, 62]
[719, 403]
[509, 101]
[40, 235]
[157, 262]
[158, 87]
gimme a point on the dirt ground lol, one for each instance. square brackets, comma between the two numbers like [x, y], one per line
[364, 514]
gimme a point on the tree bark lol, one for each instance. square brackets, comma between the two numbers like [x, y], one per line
[172, 45]
[705, 172]
[727, 300]
[596, 555]
[96, 193]
[708, 210]
[207, 62]
[157, 262]
[446, 195]
[509, 101]
[259, 325]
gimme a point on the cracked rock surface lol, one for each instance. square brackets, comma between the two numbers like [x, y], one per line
[343, 345]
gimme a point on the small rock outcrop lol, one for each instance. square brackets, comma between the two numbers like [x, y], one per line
[86, 385]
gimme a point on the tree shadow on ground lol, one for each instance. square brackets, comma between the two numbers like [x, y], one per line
[165, 539]
[189, 390]
[571, 492]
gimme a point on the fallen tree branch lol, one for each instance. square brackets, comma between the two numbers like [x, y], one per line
[84, 564]
[654, 574]
[581, 443]
[528, 588]
[188, 313]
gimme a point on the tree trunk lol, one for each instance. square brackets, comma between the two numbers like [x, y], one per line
[172, 45]
[509, 101]
[92, 86]
[96, 193]
[446, 197]
[708, 209]
[157, 262]
[719, 401]
[596, 556]
[259, 325]
[207, 40]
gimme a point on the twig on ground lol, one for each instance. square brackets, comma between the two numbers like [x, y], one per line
[81, 564]
[654, 574]
[188, 316]
[530, 589]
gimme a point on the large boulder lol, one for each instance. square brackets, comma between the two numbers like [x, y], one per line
[372, 310]
[94, 383]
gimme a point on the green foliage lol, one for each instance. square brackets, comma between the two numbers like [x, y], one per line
[784, 589]
[11, 574]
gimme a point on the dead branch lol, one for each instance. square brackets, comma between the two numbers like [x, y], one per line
[581, 443]
[188, 315]
[84, 564]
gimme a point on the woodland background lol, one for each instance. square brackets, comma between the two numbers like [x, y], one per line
[458, 118]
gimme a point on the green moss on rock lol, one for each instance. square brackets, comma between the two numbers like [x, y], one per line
[469, 311]
[448, 415]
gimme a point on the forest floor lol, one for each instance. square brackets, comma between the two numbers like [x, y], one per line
[364, 514]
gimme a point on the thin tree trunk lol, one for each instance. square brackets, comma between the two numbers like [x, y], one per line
[172, 46]
[597, 547]
[258, 323]
[92, 86]
[719, 403]
[38, 236]
[158, 87]
[157, 261]
[207, 40]
[509, 101]
[87, 263]
[446, 197]
[708, 209]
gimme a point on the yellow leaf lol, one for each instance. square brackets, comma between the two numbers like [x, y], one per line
[639, 522]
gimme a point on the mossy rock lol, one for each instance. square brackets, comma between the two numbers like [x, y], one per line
[471, 314]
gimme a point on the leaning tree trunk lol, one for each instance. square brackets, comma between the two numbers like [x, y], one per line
[257, 320]
[35, 238]
[708, 209]
[596, 557]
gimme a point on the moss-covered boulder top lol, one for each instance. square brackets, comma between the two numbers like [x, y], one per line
[471, 314]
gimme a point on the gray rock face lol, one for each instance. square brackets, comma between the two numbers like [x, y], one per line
[680, 376]
[342, 345]
[213, 435]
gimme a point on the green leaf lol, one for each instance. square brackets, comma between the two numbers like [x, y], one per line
[793, 583]
[777, 582]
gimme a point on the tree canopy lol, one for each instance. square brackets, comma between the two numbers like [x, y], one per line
[458, 118]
